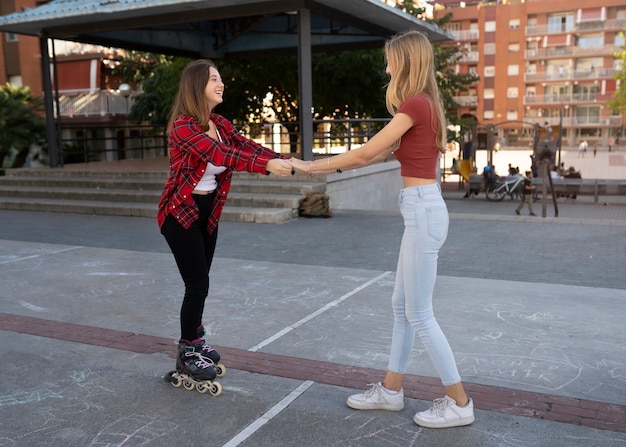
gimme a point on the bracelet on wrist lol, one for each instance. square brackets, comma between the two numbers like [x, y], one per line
[329, 168]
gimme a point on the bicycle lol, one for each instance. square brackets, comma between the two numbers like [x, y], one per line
[496, 191]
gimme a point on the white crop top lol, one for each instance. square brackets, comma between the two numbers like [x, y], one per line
[208, 182]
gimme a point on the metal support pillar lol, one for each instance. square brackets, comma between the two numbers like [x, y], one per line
[53, 148]
[305, 84]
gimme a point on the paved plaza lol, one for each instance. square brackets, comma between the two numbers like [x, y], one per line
[533, 308]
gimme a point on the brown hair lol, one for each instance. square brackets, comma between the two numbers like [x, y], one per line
[190, 98]
[412, 58]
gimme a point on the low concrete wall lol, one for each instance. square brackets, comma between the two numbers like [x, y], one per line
[372, 188]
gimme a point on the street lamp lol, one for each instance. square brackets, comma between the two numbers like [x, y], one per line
[125, 90]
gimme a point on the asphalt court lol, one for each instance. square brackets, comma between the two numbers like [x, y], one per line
[312, 292]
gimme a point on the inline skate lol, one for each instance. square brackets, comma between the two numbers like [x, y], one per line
[193, 370]
[209, 352]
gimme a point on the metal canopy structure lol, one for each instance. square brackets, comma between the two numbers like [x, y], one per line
[218, 29]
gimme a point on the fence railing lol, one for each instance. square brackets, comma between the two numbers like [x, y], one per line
[87, 144]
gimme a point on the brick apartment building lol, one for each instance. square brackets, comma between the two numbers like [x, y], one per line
[544, 62]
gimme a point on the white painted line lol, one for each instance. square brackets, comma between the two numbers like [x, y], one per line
[269, 415]
[39, 255]
[309, 317]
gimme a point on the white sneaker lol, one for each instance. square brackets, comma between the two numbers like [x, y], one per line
[446, 413]
[376, 398]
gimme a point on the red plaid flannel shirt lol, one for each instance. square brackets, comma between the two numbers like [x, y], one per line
[190, 149]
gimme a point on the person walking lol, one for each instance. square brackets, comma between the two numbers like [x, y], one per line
[417, 136]
[527, 195]
[204, 149]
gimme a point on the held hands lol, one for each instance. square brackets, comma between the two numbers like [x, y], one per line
[285, 168]
[280, 167]
[301, 166]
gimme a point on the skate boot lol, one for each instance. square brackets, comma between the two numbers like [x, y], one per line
[210, 353]
[193, 370]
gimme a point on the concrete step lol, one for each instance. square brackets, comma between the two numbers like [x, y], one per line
[252, 197]
[91, 194]
[134, 209]
[80, 182]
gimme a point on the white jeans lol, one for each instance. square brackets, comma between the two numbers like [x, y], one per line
[425, 230]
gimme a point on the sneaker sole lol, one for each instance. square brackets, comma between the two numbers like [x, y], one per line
[449, 424]
[356, 405]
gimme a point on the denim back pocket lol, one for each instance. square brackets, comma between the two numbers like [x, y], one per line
[437, 221]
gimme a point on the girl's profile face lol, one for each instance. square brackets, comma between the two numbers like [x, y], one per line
[214, 90]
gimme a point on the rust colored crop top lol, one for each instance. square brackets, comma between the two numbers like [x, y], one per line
[418, 154]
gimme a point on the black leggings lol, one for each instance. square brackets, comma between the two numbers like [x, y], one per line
[193, 251]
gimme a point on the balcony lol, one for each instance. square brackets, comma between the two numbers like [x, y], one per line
[470, 57]
[595, 25]
[465, 35]
[572, 75]
[573, 98]
[578, 121]
[466, 101]
[560, 52]
[79, 103]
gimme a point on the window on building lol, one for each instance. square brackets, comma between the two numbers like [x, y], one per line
[514, 47]
[589, 64]
[16, 80]
[560, 23]
[511, 115]
[514, 24]
[532, 22]
[558, 68]
[11, 37]
[590, 40]
[473, 69]
[588, 114]
[531, 91]
[585, 92]
[488, 114]
[512, 70]
[490, 71]
[490, 26]
[532, 48]
[452, 26]
[488, 93]
[512, 92]
[489, 48]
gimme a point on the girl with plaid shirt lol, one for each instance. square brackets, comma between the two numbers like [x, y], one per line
[204, 149]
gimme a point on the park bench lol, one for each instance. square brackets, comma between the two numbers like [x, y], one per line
[567, 187]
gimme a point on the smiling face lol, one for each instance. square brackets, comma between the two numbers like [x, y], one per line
[214, 89]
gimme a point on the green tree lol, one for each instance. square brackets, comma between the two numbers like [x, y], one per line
[619, 97]
[21, 124]
[159, 88]
[346, 84]
[157, 76]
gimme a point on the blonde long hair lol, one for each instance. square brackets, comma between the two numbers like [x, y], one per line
[412, 58]
[190, 98]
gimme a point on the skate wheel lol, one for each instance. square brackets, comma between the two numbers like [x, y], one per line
[176, 382]
[173, 379]
[215, 389]
[189, 385]
[220, 370]
[203, 387]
